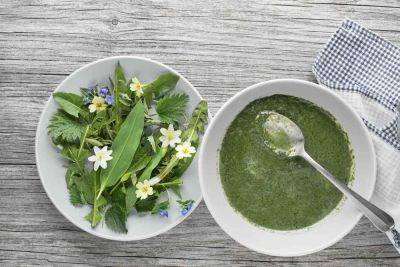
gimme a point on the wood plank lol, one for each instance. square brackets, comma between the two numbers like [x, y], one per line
[221, 46]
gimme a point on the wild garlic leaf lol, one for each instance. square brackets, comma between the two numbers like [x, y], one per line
[130, 198]
[164, 84]
[124, 147]
[69, 102]
[160, 206]
[115, 219]
[155, 160]
[65, 128]
[171, 108]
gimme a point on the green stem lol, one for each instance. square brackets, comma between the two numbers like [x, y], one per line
[83, 140]
[95, 201]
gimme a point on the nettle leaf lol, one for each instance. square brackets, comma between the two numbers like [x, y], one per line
[115, 219]
[160, 206]
[69, 102]
[171, 108]
[130, 198]
[75, 196]
[65, 128]
[147, 204]
[124, 147]
[94, 217]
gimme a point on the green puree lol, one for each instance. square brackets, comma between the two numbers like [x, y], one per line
[278, 192]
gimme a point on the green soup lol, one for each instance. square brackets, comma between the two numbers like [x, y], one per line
[277, 192]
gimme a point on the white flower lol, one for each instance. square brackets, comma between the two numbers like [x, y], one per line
[100, 157]
[185, 150]
[97, 104]
[170, 137]
[136, 87]
[144, 189]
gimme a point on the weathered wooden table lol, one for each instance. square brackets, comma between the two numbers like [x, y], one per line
[221, 46]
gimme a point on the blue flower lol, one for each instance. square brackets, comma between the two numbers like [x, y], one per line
[163, 213]
[186, 207]
[86, 100]
[103, 91]
[110, 100]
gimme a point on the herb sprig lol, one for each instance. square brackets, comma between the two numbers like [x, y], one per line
[125, 144]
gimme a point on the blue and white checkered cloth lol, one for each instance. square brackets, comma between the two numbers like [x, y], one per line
[364, 69]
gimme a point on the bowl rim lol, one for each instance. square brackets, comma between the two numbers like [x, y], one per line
[40, 124]
[216, 119]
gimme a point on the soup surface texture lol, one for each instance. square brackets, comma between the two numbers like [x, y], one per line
[276, 192]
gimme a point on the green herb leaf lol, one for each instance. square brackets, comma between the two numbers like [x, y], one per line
[115, 219]
[171, 108]
[124, 147]
[75, 196]
[155, 160]
[69, 102]
[147, 204]
[130, 199]
[65, 128]
[160, 206]
[94, 217]
[164, 83]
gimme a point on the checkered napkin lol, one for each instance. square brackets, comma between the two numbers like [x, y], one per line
[364, 69]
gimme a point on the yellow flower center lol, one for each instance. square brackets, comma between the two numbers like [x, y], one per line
[185, 150]
[100, 156]
[170, 136]
[137, 86]
[144, 189]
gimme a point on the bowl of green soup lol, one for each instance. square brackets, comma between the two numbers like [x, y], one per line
[277, 205]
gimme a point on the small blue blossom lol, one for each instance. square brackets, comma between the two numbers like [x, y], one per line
[110, 100]
[163, 213]
[86, 100]
[103, 91]
[186, 206]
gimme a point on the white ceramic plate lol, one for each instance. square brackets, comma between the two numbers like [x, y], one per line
[50, 164]
[286, 243]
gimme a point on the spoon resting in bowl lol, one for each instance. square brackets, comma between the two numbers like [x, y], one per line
[286, 139]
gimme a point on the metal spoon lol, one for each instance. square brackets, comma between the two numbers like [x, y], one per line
[285, 138]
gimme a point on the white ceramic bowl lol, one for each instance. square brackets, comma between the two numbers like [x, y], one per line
[50, 165]
[286, 243]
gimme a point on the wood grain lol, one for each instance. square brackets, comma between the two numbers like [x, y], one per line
[221, 46]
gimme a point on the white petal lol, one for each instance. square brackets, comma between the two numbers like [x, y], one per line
[138, 193]
[107, 157]
[192, 149]
[163, 131]
[96, 165]
[103, 164]
[179, 155]
[178, 148]
[165, 143]
[92, 158]
[178, 132]
[104, 149]
[162, 138]
[170, 127]
[177, 140]
[92, 108]
[150, 192]
[96, 149]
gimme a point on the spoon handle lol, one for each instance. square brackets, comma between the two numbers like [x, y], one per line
[378, 217]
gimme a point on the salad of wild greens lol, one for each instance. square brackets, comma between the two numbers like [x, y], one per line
[126, 143]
